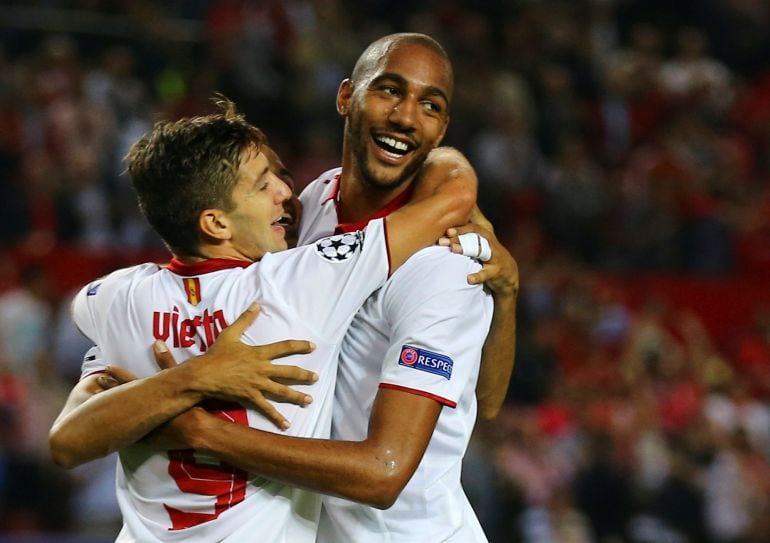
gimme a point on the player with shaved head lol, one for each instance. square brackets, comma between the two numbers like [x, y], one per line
[410, 370]
[406, 391]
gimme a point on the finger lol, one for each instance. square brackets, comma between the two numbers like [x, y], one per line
[271, 413]
[476, 278]
[289, 395]
[487, 272]
[242, 323]
[477, 217]
[292, 374]
[281, 393]
[106, 382]
[470, 228]
[286, 347]
[163, 357]
[444, 241]
[120, 374]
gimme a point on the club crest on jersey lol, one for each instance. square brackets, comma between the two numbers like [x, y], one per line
[341, 247]
[420, 359]
[192, 287]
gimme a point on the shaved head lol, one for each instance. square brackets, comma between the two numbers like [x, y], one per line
[379, 50]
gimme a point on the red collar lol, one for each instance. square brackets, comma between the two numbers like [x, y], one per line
[205, 266]
[396, 203]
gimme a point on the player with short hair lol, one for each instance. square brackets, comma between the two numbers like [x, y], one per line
[405, 400]
[206, 185]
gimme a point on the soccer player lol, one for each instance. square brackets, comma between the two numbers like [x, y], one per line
[208, 189]
[405, 401]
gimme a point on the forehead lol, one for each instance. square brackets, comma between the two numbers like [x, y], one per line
[417, 64]
[253, 162]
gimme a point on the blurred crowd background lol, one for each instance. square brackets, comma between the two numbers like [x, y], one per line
[623, 151]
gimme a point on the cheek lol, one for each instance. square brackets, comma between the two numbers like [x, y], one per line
[437, 130]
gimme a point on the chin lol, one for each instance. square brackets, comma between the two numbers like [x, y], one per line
[385, 181]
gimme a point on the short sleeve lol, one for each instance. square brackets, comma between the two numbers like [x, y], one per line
[93, 362]
[439, 324]
[83, 310]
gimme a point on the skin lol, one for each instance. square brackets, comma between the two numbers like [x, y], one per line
[292, 207]
[404, 97]
[91, 427]
[230, 370]
[253, 227]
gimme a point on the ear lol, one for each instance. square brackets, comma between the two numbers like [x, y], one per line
[214, 223]
[344, 96]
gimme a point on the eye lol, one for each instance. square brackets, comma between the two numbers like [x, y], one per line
[431, 106]
[390, 90]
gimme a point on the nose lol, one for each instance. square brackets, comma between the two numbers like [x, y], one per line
[404, 113]
[282, 192]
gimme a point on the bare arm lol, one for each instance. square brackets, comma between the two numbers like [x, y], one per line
[497, 358]
[435, 207]
[401, 424]
[93, 425]
[373, 471]
[501, 276]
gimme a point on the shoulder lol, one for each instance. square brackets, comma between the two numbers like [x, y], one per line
[96, 297]
[119, 279]
[438, 264]
[321, 189]
[319, 210]
[431, 275]
[335, 249]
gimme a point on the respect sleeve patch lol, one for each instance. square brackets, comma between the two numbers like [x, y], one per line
[420, 359]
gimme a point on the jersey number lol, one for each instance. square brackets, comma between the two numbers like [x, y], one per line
[221, 480]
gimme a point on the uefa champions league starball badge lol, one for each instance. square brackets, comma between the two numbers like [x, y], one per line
[341, 247]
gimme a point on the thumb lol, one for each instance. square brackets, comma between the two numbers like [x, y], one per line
[121, 375]
[163, 357]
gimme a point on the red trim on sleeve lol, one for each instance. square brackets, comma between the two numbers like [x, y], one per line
[439, 399]
[95, 372]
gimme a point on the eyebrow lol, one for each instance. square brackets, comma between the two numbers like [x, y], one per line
[261, 175]
[431, 90]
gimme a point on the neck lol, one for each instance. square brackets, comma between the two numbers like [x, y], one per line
[223, 251]
[358, 200]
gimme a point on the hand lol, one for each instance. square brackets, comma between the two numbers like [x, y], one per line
[173, 434]
[113, 376]
[233, 371]
[501, 273]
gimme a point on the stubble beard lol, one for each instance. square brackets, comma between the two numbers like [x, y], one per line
[360, 149]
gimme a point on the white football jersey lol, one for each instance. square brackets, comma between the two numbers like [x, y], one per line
[422, 332]
[308, 293]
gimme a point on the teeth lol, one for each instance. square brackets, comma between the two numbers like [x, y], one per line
[401, 146]
[284, 219]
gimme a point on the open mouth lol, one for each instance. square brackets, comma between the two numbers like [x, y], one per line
[392, 147]
[287, 219]
[280, 223]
